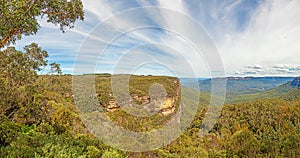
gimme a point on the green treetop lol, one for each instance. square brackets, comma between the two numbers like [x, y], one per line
[19, 17]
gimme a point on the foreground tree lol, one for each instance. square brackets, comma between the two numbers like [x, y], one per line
[19, 17]
[18, 73]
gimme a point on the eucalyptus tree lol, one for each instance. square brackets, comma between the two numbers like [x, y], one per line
[55, 68]
[18, 73]
[19, 17]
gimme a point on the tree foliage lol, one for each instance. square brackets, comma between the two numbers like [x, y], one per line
[20, 17]
[262, 128]
[18, 76]
[55, 68]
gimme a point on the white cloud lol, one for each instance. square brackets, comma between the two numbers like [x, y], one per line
[266, 42]
[100, 8]
[269, 70]
[257, 67]
[272, 37]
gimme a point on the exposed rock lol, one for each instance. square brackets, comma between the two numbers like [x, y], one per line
[168, 111]
[157, 102]
[112, 105]
[168, 106]
[68, 95]
[135, 96]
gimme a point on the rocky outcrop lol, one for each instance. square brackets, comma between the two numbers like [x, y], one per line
[161, 104]
[168, 107]
[296, 82]
[112, 105]
[164, 106]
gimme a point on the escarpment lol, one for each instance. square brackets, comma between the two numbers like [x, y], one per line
[157, 94]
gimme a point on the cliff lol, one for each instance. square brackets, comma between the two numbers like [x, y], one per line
[156, 94]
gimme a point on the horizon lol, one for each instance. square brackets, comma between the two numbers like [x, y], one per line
[175, 76]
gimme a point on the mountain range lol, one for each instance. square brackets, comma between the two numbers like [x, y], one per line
[240, 89]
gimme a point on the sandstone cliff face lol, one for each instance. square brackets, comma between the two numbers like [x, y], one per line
[296, 82]
[156, 102]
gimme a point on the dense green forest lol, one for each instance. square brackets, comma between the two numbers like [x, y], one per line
[39, 119]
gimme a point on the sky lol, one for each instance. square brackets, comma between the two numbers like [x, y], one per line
[185, 38]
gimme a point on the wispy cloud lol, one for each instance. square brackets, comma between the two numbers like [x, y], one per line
[271, 37]
[253, 37]
[269, 70]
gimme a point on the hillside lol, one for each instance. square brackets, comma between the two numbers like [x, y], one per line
[239, 86]
[296, 82]
[164, 94]
[50, 124]
[243, 85]
[156, 97]
[287, 91]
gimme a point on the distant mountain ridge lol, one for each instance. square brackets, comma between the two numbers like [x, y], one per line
[240, 85]
[240, 89]
[296, 82]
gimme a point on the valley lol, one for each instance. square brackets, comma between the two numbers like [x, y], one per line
[265, 123]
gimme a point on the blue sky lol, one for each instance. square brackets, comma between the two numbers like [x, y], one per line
[253, 38]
